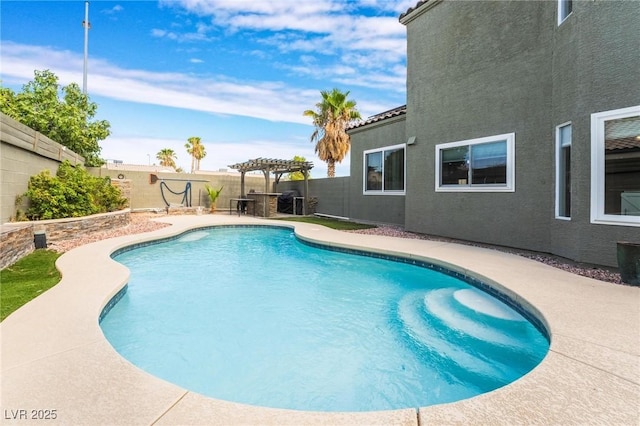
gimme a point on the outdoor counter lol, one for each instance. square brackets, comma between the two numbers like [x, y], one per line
[265, 203]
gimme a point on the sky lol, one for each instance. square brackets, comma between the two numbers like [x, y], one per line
[236, 73]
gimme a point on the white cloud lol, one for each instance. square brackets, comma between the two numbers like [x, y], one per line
[216, 94]
[225, 9]
[179, 37]
[335, 47]
[156, 32]
[115, 9]
[325, 27]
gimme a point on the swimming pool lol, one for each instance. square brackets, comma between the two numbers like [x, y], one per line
[253, 315]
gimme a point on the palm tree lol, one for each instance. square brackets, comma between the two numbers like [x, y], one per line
[333, 115]
[197, 152]
[167, 157]
[200, 153]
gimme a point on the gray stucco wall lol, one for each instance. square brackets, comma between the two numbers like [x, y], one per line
[332, 194]
[479, 69]
[344, 196]
[388, 208]
[596, 63]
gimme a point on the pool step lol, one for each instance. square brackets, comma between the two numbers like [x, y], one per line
[461, 342]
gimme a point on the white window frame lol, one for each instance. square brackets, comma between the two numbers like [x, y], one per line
[562, 11]
[559, 169]
[510, 186]
[597, 167]
[382, 191]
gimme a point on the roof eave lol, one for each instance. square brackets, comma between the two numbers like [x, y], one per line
[393, 116]
[378, 123]
[420, 8]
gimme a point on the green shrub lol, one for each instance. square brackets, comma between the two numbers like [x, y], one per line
[73, 192]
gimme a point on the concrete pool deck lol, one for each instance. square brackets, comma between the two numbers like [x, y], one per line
[55, 357]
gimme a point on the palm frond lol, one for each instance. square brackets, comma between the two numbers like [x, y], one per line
[331, 118]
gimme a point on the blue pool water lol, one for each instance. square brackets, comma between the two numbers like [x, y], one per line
[253, 315]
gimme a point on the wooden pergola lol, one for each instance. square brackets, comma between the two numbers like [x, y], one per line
[278, 168]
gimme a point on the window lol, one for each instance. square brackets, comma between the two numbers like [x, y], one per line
[565, 7]
[384, 170]
[477, 165]
[615, 167]
[563, 171]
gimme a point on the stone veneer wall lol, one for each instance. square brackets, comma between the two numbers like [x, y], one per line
[19, 236]
[63, 229]
[15, 243]
[264, 205]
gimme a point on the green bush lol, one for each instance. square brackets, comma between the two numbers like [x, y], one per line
[73, 192]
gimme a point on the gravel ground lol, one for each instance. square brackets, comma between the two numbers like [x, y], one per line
[140, 222]
[591, 271]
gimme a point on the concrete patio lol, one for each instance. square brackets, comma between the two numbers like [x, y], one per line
[55, 357]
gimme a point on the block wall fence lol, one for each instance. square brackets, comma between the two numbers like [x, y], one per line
[24, 153]
[149, 190]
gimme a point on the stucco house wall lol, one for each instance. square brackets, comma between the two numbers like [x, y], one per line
[596, 63]
[379, 208]
[471, 70]
[478, 69]
[345, 196]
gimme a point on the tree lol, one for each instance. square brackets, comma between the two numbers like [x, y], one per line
[331, 118]
[200, 154]
[167, 157]
[197, 152]
[298, 175]
[66, 121]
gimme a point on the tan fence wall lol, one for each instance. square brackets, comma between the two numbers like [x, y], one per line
[24, 153]
[146, 195]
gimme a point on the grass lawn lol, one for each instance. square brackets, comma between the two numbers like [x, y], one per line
[341, 225]
[26, 279]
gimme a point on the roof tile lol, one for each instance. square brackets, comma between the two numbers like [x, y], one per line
[401, 110]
